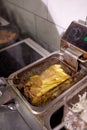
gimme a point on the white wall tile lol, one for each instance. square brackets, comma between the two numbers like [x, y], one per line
[17, 2]
[13, 1]
[4, 0]
[48, 33]
[38, 7]
[26, 21]
[63, 12]
[9, 9]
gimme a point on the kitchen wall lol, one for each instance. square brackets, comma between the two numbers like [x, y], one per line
[45, 20]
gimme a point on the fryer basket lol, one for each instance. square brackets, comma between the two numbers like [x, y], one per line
[37, 69]
[41, 114]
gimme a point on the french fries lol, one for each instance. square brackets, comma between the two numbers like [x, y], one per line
[39, 85]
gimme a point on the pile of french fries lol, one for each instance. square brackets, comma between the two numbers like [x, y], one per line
[39, 85]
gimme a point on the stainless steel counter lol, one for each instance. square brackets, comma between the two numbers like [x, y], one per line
[12, 120]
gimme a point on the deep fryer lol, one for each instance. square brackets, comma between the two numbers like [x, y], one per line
[72, 58]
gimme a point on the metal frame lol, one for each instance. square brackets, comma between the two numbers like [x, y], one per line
[31, 44]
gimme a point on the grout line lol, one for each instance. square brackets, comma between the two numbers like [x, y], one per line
[35, 26]
[47, 9]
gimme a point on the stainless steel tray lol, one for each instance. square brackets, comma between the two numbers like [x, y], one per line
[37, 68]
[38, 117]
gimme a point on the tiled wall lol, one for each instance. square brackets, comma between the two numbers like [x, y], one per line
[45, 20]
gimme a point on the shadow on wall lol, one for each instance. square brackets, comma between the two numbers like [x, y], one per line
[34, 23]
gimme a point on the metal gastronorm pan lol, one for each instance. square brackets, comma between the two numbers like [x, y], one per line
[38, 117]
[37, 68]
